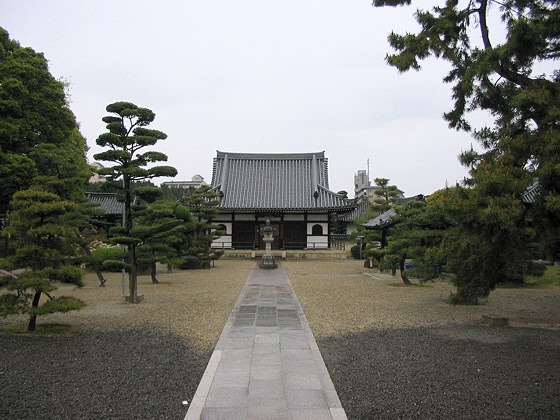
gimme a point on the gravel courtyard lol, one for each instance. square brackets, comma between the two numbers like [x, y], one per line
[392, 351]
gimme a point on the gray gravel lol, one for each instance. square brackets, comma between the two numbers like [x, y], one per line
[128, 374]
[466, 372]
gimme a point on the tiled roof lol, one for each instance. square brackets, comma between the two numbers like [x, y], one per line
[362, 209]
[287, 182]
[384, 219]
[107, 202]
[404, 200]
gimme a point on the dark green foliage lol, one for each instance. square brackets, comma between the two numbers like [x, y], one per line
[105, 257]
[355, 252]
[58, 304]
[164, 229]
[202, 205]
[174, 193]
[385, 196]
[125, 141]
[488, 243]
[418, 228]
[190, 262]
[39, 140]
[115, 265]
[46, 232]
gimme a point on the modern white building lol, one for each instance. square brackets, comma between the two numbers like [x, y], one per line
[196, 181]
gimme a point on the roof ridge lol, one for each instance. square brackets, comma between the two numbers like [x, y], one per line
[230, 155]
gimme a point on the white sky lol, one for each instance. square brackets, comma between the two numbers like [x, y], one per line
[253, 76]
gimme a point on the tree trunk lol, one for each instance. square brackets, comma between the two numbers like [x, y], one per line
[96, 269]
[404, 277]
[132, 275]
[33, 318]
[102, 280]
[153, 272]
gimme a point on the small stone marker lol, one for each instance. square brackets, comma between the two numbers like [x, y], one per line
[495, 320]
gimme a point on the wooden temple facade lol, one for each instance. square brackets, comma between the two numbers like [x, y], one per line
[290, 190]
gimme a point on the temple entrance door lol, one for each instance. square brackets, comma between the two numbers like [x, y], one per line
[275, 232]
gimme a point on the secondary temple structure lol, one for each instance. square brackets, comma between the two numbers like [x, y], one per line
[290, 190]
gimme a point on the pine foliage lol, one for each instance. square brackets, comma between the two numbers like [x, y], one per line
[126, 141]
[522, 145]
[46, 232]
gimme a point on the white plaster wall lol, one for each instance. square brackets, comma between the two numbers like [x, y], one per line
[351, 228]
[228, 225]
[310, 228]
[223, 241]
[317, 242]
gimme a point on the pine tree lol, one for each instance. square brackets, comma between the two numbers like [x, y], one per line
[489, 241]
[385, 196]
[45, 229]
[202, 204]
[418, 228]
[521, 146]
[163, 228]
[125, 139]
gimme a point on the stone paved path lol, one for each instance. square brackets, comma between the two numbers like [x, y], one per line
[266, 364]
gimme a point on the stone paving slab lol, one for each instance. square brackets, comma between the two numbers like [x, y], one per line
[266, 364]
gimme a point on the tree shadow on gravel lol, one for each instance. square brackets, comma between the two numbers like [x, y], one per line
[447, 372]
[131, 374]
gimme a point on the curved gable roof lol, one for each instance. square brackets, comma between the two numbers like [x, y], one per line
[289, 182]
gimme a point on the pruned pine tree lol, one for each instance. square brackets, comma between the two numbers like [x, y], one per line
[46, 231]
[126, 141]
[417, 230]
[489, 242]
[376, 239]
[202, 204]
[385, 196]
[163, 228]
[515, 79]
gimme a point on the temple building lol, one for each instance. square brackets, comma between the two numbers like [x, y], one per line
[290, 190]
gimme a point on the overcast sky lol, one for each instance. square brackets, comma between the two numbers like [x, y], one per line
[253, 76]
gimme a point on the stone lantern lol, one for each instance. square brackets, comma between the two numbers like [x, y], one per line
[267, 260]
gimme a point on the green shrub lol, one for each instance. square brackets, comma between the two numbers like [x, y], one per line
[190, 262]
[355, 252]
[104, 257]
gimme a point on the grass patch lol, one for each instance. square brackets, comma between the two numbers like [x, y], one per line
[550, 278]
[40, 329]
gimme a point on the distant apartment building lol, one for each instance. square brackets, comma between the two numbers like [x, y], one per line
[95, 178]
[196, 181]
[363, 190]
